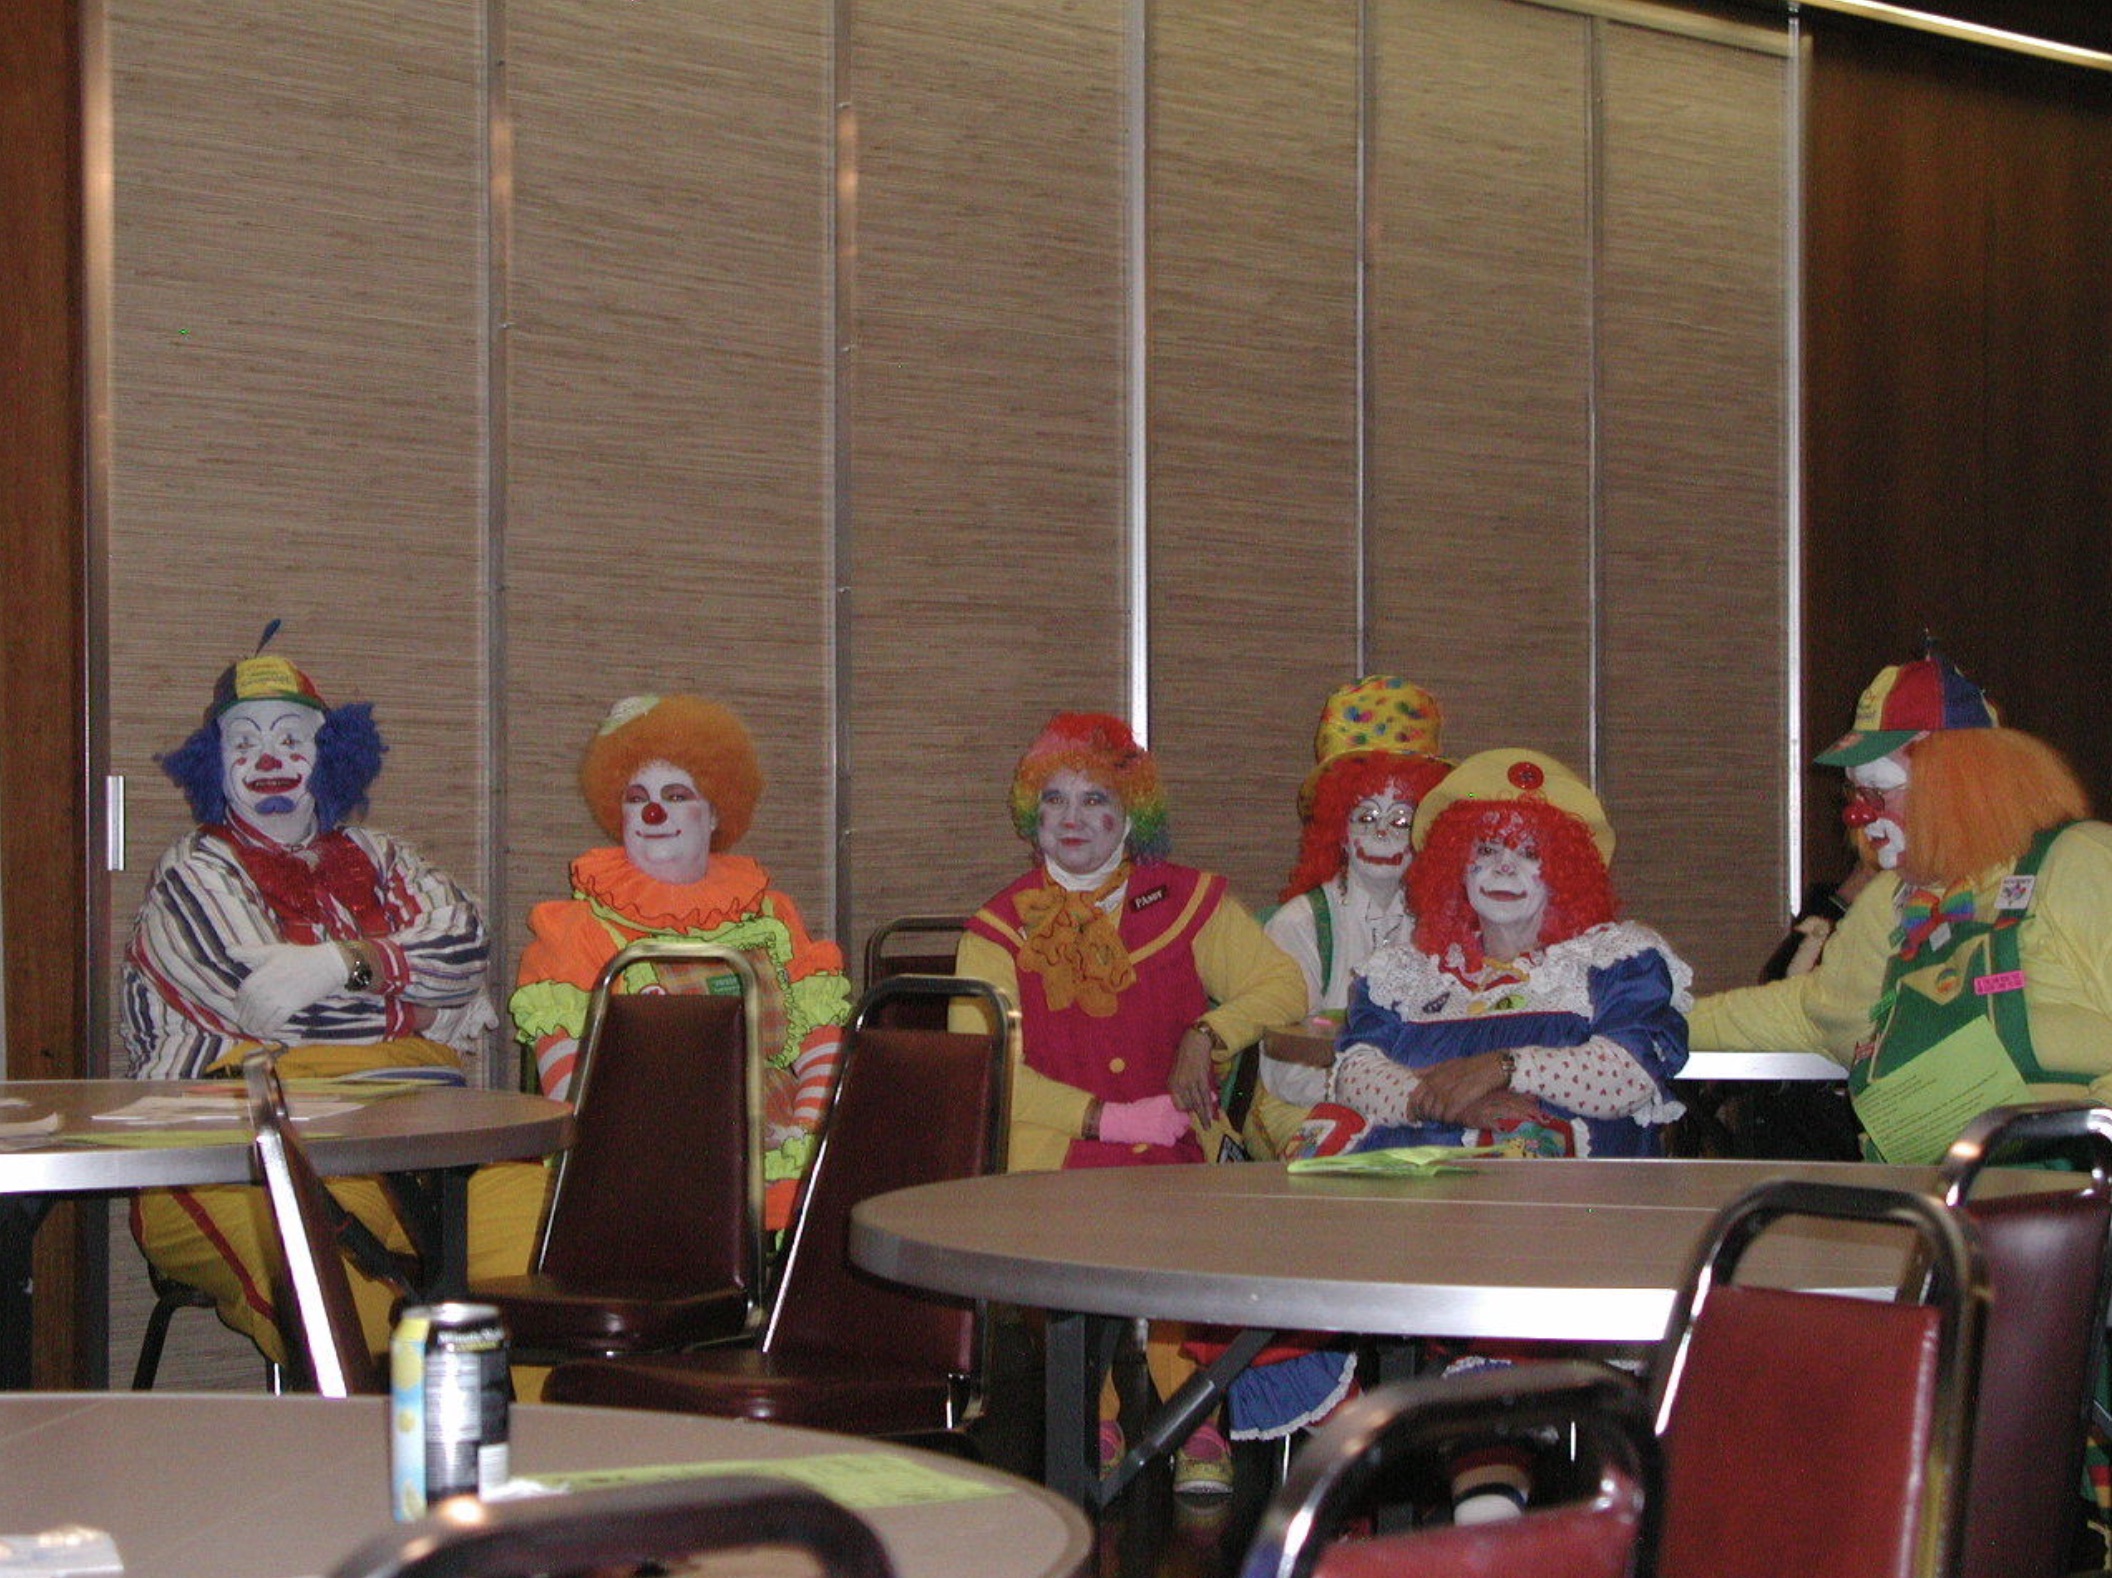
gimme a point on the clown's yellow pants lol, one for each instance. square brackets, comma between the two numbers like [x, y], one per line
[218, 1238]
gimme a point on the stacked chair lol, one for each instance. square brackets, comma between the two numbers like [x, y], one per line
[1785, 1432]
[839, 1349]
[653, 1238]
[633, 1528]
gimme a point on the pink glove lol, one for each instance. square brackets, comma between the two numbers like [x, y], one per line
[1153, 1121]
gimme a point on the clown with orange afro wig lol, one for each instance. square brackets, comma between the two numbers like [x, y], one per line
[1522, 1012]
[1137, 979]
[675, 780]
[1991, 873]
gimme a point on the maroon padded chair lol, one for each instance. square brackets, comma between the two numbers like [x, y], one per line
[1812, 1433]
[2048, 1271]
[653, 1238]
[632, 1528]
[913, 945]
[841, 1349]
[1586, 1427]
[326, 1349]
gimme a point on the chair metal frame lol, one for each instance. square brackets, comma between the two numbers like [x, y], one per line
[1954, 1280]
[965, 1405]
[873, 963]
[674, 950]
[620, 1528]
[1604, 1410]
[317, 1281]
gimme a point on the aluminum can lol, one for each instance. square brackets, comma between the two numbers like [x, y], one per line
[449, 1391]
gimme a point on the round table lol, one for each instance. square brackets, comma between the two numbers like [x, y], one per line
[429, 1136]
[194, 1486]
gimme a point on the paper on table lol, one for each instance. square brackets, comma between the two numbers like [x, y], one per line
[1400, 1161]
[47, 1124]
[200, 1107]
[861, 1481]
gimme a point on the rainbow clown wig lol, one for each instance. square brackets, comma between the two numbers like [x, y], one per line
[701, 737]
[348, 747]
[1525, 801]
[1100, 746]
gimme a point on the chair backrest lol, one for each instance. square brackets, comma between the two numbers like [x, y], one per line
[664, 1187]
[1837, 1424]
[623, 1530]
[913, 945]
[1586, 1428]
[2049, 1274]
[913, 1106]
[312, 1297]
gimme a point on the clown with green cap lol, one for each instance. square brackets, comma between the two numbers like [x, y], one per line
[1975, 970]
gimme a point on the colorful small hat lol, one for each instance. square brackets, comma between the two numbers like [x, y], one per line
[1380, 714]
[1512, 774]
[263, 678]
[1905, 701]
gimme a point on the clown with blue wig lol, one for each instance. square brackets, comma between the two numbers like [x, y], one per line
[275, 922]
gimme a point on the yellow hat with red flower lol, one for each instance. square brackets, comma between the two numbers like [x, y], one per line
[1514, 774]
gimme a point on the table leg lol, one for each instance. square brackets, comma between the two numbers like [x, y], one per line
[1077, 1352]
[434, 1209]
[20, 1217]
[1188, 1407]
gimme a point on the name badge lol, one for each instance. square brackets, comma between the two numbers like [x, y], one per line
[2014, 895]
[2006, 981]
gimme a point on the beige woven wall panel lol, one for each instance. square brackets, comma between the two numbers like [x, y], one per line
[1481, 367]
[296, 426]
[985, 411]
[295, 353]
[667, 522]
[1691, 547]
[1253, 396]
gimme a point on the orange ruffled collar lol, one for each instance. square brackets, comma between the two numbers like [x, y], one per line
[731, 890]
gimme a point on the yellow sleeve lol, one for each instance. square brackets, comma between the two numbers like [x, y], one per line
[1826, 1010]
[1255, 984]
[1046, 1113]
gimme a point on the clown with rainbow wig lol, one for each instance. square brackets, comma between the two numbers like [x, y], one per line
[1137, 980]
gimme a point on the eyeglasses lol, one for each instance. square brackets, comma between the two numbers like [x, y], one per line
[1400, 819]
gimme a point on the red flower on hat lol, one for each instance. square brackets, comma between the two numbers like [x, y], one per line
[1526, 776]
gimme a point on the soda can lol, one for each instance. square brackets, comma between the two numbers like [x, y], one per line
[449, 1390]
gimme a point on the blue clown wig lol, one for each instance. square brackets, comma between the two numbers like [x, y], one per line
[348, 753]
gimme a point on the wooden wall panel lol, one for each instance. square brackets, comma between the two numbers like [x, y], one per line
[666, 405]
[984, 409]
[1254, 515]
[1480, 384]
[1692, 429]
[296, 407]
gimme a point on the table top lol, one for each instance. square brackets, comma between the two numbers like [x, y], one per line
[399, 1129]
[1565, 1250]
[253, 1486]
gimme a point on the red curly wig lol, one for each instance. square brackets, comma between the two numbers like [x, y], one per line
[701, 737]
[1579, 890]
[1977, 797]
[1344, 783]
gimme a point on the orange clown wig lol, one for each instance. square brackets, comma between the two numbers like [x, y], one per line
[701, 737]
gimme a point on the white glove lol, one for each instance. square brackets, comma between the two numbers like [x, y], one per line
[284, 978]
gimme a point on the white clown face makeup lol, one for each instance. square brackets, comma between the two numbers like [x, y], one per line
[667, 824]
[1082, 823]
[267, 754]
[1877, 808]
[1505, 888]
[1376, 844]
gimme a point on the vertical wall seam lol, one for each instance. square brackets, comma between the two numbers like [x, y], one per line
[98, 221]
[1594, 513]
[497, 326]
[839, 369]
[1137, 356]
[1797, 85]
[1360, 546]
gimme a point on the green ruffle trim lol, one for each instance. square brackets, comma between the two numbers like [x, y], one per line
[540, 1007]
[789, 1160]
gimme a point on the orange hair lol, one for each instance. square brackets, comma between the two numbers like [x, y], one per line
[1344, 782]
[1977, 797]
[1579, 890]
[702, 738]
